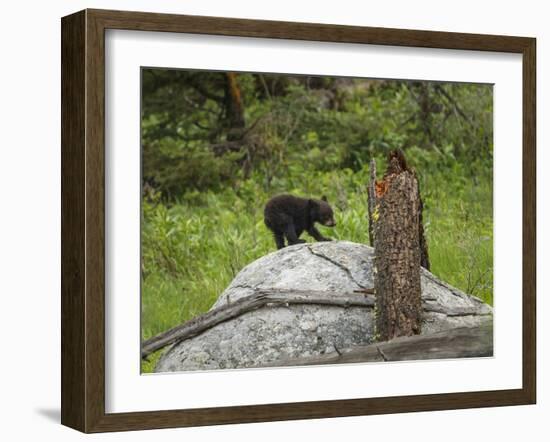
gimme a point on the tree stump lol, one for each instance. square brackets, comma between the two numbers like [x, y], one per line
[373, 213]
[397, 252]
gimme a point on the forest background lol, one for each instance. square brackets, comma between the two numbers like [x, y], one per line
[217, 145]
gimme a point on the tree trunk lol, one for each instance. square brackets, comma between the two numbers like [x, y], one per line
[424, 257]
[234, 107]
[371, 193]
[397, 253]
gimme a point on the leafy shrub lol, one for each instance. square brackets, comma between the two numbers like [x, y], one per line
[206, 181]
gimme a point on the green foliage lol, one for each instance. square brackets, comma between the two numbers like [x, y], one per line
[314, 123]
[193, 249]
[205, 187]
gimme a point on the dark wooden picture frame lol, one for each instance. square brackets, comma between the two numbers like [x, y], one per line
[83, 220]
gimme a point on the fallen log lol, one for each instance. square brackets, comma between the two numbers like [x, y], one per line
[463, 342]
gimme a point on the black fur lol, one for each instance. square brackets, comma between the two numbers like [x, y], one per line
[287, 216]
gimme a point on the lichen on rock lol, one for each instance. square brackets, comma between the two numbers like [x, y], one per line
[263, 336]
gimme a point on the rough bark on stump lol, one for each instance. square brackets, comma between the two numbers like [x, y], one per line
[399, 164]
[397, 253]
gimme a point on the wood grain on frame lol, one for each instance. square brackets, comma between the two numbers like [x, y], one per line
[83, 220]
[73, 251]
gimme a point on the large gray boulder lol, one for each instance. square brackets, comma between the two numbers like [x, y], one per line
[274, 332]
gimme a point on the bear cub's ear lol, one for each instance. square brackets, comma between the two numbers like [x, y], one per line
[324, 198]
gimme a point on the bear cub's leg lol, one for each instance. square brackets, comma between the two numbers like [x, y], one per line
[291, 236]
[317, 235]
[279, 240]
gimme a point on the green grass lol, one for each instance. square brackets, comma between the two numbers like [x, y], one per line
[194, 248]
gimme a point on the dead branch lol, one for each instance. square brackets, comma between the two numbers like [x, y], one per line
[371, 193]
[249, 303]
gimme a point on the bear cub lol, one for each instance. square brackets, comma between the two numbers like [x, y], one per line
[288, 216]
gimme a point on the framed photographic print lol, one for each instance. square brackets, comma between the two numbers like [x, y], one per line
[267, 220]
